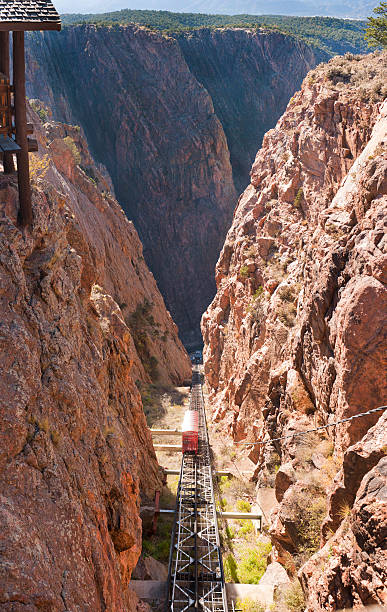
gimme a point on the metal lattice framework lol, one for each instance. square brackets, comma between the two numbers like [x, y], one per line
[196, 579]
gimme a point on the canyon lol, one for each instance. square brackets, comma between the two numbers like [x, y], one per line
[295, 336]
[83, 327]
[177, 136]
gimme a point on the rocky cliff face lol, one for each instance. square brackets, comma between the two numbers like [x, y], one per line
[250, 77]
[76, 454]
[161, 141]
[295, 335]
[148, 115]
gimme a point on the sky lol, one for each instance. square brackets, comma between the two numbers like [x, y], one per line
[345, 8]
[90, 6]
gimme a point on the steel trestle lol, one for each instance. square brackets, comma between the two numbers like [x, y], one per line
[195, 577]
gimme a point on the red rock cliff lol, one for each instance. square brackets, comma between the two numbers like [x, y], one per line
[76, 453]
[296, 333]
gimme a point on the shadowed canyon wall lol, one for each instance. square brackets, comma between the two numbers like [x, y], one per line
[76, 454]
[146, 105]
[250, 77]
[296, 335]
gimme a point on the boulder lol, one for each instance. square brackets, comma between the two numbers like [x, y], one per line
[285, 477]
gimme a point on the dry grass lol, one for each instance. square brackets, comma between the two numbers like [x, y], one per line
[344, 511]
[365, 76]
[168, 494]
[164, 408]
[294, 599]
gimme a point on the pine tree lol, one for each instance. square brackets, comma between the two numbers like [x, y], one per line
[376, 32]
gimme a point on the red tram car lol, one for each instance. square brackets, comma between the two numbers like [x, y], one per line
[190, 432]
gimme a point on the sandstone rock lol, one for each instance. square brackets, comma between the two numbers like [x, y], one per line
[116, 264]
[318, 460]
[275, 575]
[285, 477]
[313, 352]
[155, 570]
[149, 568]
[271, 285]
[76, 453]
[351, 569]
[264, 243]
[358, 460]
[299, 397]
[161, 142]
[135, 604]
[330, 297]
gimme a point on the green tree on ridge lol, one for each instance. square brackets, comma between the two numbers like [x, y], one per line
[376, 32]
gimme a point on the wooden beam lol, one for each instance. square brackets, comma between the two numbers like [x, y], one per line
[9, 166]
[32, 145]
[29, 26]
[23, 170]
[165, 432]
[4, 53]
[167, 447]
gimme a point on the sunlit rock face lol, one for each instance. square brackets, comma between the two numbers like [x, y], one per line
[76, 455]
[163, 114]
[295, 337]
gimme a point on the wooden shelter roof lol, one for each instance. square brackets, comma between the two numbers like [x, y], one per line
[22, 15]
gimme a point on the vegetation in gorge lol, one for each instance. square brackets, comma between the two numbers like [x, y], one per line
[245, 551]
[294, 598]
[329, 34]
[248, 605]
[157, 546]
[162, 403]
[143, 325]
[247, 564]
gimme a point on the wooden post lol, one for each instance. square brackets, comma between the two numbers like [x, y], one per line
[4, 53]
[9, 166]
[23, 171]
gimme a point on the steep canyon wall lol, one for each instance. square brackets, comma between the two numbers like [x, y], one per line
[250, 77]
[76, 455]
[146, 104]
[296, 334]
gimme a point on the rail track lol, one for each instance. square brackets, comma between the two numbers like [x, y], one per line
[195, 575]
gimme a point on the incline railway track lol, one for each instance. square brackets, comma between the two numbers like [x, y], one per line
[195, 576]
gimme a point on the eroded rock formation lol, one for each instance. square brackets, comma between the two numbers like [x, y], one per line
[148, 115]
[296, 333]
[76, 454]
[355, 557]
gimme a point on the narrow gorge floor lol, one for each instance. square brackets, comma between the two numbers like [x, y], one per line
[246, 549]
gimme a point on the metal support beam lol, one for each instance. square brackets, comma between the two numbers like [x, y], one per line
[23, 171]
[177, 472]
[252, 516]
[196, 579]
